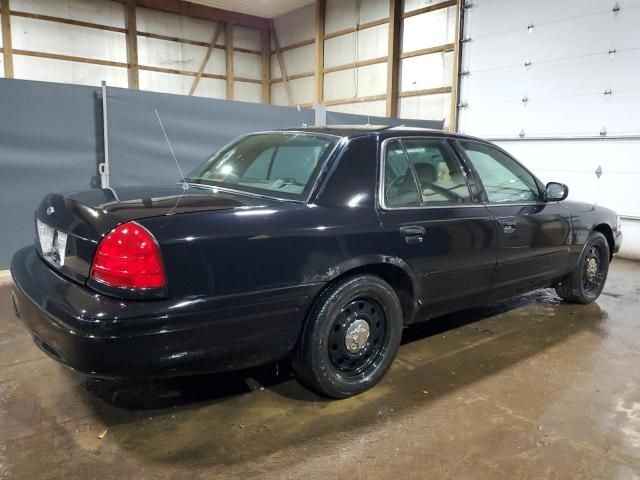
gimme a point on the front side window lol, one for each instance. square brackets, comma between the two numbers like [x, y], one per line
[282, 164]
[438, 172]
[504, 180]
[423, 172]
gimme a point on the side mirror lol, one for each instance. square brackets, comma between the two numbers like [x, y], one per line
[555, 192]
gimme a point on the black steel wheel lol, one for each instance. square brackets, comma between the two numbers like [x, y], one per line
[592, 276]
[585, 283]
[351, 337]
[357, 336]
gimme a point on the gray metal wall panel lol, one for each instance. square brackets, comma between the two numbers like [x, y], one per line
[196, 127]
[50, 141]
[339, 118]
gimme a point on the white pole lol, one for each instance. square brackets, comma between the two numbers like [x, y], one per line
[103, 168]
[320, 119]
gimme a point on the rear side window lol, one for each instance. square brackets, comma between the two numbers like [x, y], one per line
[504, 180]
[423, 172]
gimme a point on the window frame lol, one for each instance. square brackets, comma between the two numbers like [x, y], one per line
[482, 192]
[464, 169]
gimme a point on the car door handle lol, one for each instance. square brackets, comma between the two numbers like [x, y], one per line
[413, 233]
[508, 226]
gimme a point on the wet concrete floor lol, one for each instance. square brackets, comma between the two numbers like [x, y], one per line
[531, 388]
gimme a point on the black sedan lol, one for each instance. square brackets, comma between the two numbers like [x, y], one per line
[317, 245]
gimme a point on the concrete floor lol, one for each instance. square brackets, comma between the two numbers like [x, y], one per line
[532, 388]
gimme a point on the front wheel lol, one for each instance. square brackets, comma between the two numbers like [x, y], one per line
[585, 283]
[351, 337]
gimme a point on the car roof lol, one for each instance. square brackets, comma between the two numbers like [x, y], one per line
[384, 131]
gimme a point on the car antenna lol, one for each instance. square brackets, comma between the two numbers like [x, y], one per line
[184, 181]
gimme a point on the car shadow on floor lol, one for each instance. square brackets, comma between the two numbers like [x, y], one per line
[233, 417]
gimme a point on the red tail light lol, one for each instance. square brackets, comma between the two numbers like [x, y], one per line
[129, 257]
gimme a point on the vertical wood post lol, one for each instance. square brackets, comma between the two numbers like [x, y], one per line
[266, 65]
[229, 49]
[7, 49]
[132, 44]
[319, 43]
[395, 25]
[455, 70]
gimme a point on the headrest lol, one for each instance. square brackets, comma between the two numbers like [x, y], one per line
[427, 172]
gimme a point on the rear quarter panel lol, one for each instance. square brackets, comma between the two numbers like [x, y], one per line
[261, 248]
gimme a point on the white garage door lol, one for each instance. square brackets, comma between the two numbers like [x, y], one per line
[557, 83]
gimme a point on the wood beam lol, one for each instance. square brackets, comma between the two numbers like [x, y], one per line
[283, 72]
[360, 63]
[109, 63]
[343, 101]
[203, 12]
[130, 24]
[170, 38]
[424, 91]
[293, 77]
[455, 70]
[321, 8]
[293, 46]
[177, 71]
[430, 8]
[357, 28]
[266, 66]
[449, 47]
[68, 21]
[69, 58]
[7, 49]
[228, 34]
[196, 42]
[257, 81]
[248, 50]
[206, 58]
[393, 54]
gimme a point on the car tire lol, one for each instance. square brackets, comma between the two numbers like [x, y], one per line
[585, 283]
[351, 337]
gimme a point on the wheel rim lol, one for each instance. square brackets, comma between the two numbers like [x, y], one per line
[358, 337]
[592, 275]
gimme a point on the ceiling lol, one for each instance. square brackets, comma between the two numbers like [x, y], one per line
[260, 8]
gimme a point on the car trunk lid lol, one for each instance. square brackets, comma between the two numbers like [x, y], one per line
[69, 227]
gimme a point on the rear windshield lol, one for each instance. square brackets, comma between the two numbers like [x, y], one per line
[279, 164]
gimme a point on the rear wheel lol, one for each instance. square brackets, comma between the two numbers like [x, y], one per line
[585, 284]
[351, 337]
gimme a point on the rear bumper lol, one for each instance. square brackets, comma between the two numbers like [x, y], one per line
[106, 337]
